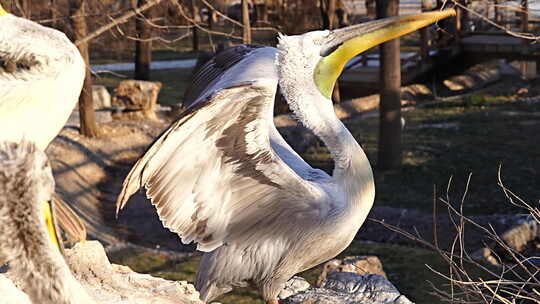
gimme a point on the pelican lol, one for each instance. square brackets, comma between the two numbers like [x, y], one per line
[25, 182]
[222, 175]
[41, 76]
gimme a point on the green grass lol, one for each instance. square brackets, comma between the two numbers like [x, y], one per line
[490, 131]
[174, 81]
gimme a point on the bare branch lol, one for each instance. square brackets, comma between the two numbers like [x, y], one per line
[117, 21]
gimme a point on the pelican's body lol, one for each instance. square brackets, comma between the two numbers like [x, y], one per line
[26, 181]
[224, 177]
[41, 76]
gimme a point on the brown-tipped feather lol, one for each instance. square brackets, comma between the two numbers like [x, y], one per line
[68, 220]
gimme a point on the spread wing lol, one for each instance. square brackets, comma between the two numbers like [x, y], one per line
[213, 176]
[212, 70]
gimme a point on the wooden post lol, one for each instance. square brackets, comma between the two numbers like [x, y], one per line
[195, 31]
[424, 36]
[246, 37]
[390, 150]
[497, 11]
[86, 104]
[460, 23]
[54, 14]
[466, 27]
[524, 16]
[210, 16]
[143, 47]
[332, 14]
[439, 34]
[525, 66]
[26, 9]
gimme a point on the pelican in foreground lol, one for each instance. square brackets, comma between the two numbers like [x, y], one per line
[26, 181]
[223, 176]
[41, 76]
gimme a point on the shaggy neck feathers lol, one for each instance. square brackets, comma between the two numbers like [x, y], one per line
[25, 183]
[296, 61]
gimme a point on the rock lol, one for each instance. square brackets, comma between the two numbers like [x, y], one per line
[109, 283]
[10, 293]
[522, 91]
[362, 265]
[349, 288]
[517, 238]
[101, 97]
[475, 77]
[415, 92]
[137, 99]
[293, 286]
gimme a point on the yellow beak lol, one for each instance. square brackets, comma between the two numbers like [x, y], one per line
[344, 44]
[51, 227]
[2, 11]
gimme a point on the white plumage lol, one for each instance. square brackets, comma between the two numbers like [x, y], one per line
[224, 177]
[41, 76]
[26, 181]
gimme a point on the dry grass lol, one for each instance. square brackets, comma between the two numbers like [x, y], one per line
[468, 280]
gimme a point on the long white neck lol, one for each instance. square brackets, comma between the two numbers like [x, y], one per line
[352, 169]
[25, 184]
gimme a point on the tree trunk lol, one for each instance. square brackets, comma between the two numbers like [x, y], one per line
[390, 151]
[54, 14]
[246, 37]
[424, 34]
[261, 12]
[25, 6]
[328, 13]
[143, 46]
[86, 105]
[370, 9]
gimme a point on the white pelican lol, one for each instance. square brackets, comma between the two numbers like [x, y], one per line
[25, 182]
[41, 76]
[222, 175]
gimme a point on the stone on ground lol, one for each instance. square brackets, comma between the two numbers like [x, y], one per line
[350, 288]
[137, 99]
[362, 265]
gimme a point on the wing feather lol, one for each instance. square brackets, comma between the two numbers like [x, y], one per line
[214, 68]
[213, 175]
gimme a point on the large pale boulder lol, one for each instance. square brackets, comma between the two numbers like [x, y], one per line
[109, 283]
[101, 97]
[10, 294]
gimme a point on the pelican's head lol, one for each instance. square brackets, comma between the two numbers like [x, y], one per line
[325, 53]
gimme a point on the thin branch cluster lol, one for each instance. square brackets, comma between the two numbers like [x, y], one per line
[511, 277]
